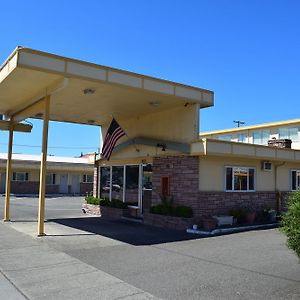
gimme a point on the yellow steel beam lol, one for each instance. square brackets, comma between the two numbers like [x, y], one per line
[6, 125]
[42, 190]
[31, 110]
[8, 175]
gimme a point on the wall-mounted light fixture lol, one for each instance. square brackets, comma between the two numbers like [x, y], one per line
[154, 103]
[89, 91]
[162, 146]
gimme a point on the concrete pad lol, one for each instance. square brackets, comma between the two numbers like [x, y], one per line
[8, 290]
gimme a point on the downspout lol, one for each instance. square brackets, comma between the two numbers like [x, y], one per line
[278, 192]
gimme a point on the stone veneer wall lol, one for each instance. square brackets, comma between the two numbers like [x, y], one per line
[183, 173]
[95, 181]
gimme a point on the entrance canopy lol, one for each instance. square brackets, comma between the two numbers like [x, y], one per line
[50, 87]
[83, 92]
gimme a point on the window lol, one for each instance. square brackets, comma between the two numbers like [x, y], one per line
[242, 138]
[295, 180]
[226, 137]
[239, 179]
[87, 178]
[289, 133]
[261, 137]
[20, 176]
[50, 179]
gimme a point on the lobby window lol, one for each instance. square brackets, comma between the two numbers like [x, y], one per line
[239, 179]
[50, 179]
[20, 176]
[295, 180]
[87, 178]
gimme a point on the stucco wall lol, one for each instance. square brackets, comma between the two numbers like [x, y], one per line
[178, 124]
[212, 176]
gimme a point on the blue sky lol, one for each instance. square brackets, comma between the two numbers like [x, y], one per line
[247, 52]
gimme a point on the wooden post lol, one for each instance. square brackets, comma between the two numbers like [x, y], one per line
[42, 190]
[8, 175]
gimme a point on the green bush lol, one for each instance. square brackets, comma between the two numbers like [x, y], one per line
[291, 222]
[161, 209]
[168, 210]
[104, 202]
[117, 203]
[183, 211]
[92, 200]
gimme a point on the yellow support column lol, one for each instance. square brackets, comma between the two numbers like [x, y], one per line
[8, 175]
[42, 191]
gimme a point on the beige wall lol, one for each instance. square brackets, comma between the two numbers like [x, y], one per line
[212, 176]
[139, 154]
[179, 124]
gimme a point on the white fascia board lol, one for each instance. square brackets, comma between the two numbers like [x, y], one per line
[67, 67]
[9, 65]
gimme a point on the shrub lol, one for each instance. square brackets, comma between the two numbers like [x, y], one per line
[291, 222]
[183, 211]
[118, 203]
[104, 202]
[92, 200]
[168, 210]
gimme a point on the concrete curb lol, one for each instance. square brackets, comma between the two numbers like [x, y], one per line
[220, 231]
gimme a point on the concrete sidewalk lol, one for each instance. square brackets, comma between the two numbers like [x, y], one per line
[30, 269]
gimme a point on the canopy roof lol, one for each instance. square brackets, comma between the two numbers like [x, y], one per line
[86, 93]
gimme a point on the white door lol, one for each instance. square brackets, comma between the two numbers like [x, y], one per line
[63, 186]
[75, 184]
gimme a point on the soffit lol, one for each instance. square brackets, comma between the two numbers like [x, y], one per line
[29, 75]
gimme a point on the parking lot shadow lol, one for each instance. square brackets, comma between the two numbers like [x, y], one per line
[125, 231]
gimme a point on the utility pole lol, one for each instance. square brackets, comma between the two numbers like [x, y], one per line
[238, 122]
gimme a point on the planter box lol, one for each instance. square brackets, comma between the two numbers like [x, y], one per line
[224, 220]
[91, 209]
[167, 221]
[112, 213]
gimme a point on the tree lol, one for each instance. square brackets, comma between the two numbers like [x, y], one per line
[291, 222]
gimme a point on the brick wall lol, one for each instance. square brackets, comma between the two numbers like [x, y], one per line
[95, 181]
[183, 173]
[31, 187]
[86, 188]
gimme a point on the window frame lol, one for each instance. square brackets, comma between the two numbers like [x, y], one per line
[15, 176]
[232, 179]
[291, 180]
[85, 176]
[52, 179]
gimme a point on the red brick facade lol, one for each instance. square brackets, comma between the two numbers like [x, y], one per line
[31, 187]
[183, 173]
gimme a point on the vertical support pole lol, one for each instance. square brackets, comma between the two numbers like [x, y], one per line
[42, 190]
[8, 175]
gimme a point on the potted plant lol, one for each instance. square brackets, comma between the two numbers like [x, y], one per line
[250, 215]
[209, 223]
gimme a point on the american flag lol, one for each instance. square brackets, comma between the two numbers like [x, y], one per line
[113, 134]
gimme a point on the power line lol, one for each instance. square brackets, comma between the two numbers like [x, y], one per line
[53, 147]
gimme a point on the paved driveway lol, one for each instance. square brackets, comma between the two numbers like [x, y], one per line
[170, 264]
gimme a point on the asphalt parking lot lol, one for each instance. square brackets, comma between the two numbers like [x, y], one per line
[157, 263]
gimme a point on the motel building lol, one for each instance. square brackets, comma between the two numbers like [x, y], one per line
[162, 152]
[65, 175]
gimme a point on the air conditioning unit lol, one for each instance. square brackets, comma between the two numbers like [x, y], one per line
[266, 166]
